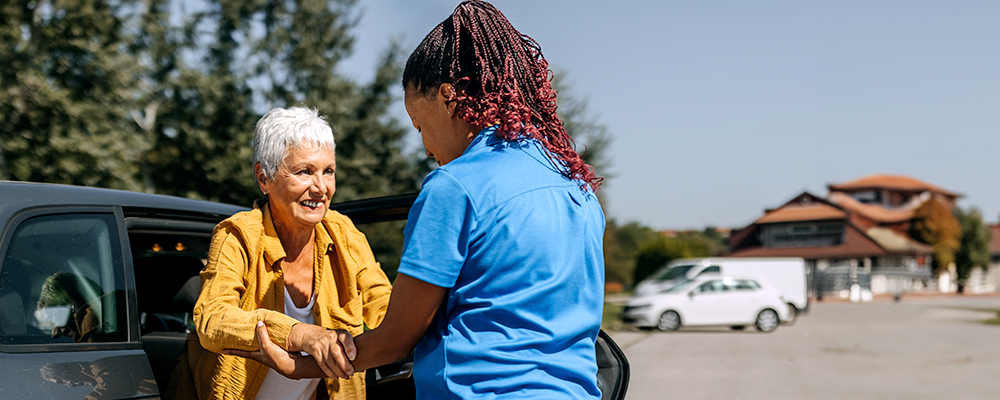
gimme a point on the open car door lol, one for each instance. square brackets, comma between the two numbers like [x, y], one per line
[395, 381]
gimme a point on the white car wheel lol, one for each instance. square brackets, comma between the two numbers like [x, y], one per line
[669, 321]
[767, 320]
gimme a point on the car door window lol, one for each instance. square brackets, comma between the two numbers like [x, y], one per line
[713, 286]
[62, 281]
[746, 285]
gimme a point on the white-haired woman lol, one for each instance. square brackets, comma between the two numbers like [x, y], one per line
[289, 273]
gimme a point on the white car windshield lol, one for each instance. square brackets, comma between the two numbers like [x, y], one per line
[678, 287]
[674, 272]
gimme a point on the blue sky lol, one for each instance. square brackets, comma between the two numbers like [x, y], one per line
[721, 109]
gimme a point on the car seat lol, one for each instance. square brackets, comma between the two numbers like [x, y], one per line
[167, 288]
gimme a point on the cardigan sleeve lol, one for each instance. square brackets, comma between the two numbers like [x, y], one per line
[221, 321]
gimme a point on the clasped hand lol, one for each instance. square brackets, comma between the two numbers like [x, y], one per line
[332, 351]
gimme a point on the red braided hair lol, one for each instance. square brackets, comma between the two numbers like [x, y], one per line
[500, 78]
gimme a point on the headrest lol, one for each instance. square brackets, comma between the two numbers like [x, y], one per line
[158, 279]
[188, 295]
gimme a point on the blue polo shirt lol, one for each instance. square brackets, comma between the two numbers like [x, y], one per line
[520, 247]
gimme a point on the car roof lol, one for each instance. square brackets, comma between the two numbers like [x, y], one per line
[16, 196]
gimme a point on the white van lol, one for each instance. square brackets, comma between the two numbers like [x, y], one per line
[786, 275]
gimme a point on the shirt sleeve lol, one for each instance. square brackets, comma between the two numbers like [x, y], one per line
[438, 230]
[221, 322]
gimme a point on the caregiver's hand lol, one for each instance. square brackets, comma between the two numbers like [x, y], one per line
[333, 349]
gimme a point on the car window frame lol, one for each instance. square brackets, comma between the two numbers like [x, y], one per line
[132, 329]
[700, 291]
[157, 224]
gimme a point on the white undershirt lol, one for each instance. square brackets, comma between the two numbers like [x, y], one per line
[278, 387]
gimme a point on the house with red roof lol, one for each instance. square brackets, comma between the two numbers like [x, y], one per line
[856, 235]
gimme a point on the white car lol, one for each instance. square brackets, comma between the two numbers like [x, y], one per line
[710, 300]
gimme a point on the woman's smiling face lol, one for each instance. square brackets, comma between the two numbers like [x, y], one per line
[300, 193]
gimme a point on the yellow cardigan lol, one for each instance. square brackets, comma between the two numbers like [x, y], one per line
[242, 285]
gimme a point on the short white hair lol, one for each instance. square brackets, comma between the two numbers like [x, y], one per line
[283, 129]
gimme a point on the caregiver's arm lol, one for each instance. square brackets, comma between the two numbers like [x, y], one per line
[412, 306]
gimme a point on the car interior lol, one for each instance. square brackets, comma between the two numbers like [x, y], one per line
[166, 263]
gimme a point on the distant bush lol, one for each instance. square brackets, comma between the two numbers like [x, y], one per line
[657, 253]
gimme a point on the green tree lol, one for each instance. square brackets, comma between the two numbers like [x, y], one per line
[657, 253]
[66, 91]
[121, 94]
[974, 249]
[934, 224]
[621, 248]
[204, 121]
[281, 54]
[255, 56]
[717, 242]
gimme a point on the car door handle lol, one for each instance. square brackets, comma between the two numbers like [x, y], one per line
[404, 373]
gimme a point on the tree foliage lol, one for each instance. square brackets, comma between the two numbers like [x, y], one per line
[147, 96]
[974, 249]
[162, 97]
[657, 253]
[66, 88]
[272, 54]
[934, 224]
[621, 248]
[122, 95]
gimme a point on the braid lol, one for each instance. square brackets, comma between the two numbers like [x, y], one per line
[500, 78]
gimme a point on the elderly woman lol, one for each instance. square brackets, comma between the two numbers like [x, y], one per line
[289, 274]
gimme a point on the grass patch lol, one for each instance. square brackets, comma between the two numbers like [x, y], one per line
[990, 321]
[611, 319]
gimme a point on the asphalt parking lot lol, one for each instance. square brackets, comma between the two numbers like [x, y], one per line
[920, 348]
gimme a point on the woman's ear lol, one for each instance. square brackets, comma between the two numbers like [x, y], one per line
[446, 93]
[261, 180]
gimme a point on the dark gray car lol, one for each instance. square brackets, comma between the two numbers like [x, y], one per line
[97, 287]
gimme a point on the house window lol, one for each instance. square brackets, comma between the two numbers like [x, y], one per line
[870, 196]
[801, 229]
[803, 234]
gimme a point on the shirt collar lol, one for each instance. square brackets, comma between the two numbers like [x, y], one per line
[273, 251]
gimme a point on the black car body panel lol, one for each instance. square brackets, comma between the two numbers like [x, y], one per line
[39, 367]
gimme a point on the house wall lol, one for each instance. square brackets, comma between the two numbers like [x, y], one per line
[984, 280]
[880, 275]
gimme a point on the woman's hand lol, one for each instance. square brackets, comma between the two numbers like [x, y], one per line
[269, 354]
[333, 349]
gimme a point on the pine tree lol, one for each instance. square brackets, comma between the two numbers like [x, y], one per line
[66, 91]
